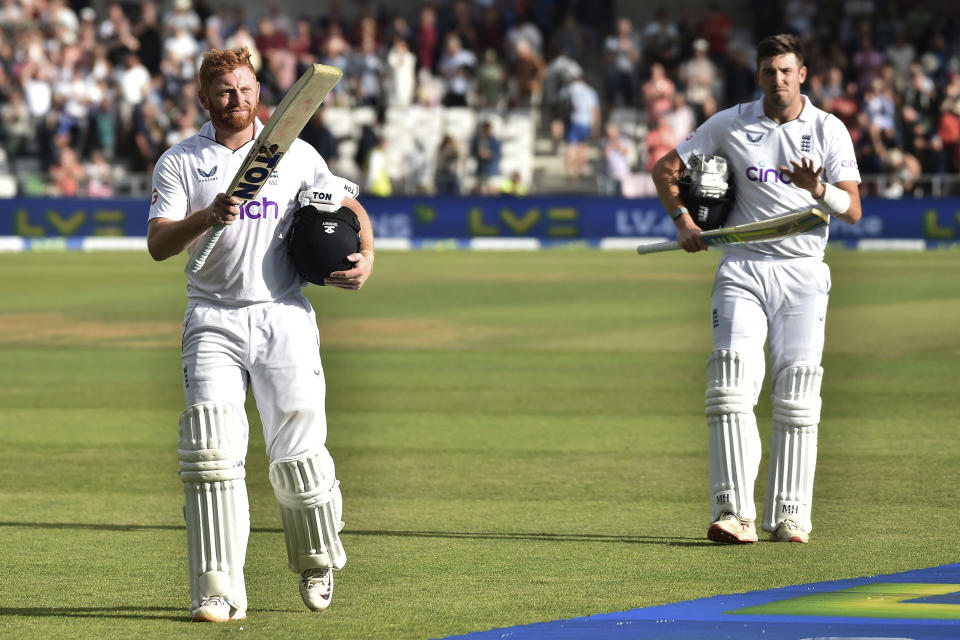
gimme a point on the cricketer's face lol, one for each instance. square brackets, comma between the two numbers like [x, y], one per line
[780, 78]
[232, 99]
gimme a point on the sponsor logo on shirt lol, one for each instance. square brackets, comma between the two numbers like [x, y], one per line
[256, 209]
[849, 164]
[754, 139]
[207, 176]
[766, 174]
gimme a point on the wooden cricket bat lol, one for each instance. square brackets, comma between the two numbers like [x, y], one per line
[285, 124]
[784, 226]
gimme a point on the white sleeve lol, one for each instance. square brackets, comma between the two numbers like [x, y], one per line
[840, 161]
[168, 199]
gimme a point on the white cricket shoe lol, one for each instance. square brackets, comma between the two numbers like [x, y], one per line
[216, 609]
[730, 529]
[316, 588]
[790, 531]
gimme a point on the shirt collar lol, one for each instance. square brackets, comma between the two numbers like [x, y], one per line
[806, 114]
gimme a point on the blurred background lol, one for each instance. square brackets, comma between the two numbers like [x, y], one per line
[457, 97]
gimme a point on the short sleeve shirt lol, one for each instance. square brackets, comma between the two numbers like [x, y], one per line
[249, 264]
[755, 147]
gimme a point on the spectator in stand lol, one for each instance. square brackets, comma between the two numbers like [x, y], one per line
[660, 141]
[402, 69]
[584, 123]
[463, 24]
[616, 160]
[16, 125]
[99, 179]
[658, 92]
[318, 134]
[280, 61]
[148, 137]
[948, 129]
[682, 117]
[457, 67]
[243, 38]
[573, 40]
[661, 41]
[183, 15]
[901, 54]
[447, 178]
[622, 55]
[485, 149]
[526, 76]
[367, 72]
[336, 53]
[491, 81]
[699, 77]
[717, 28]
[490, 29]
[867, 61]
[740, 84]
[67, 172]
[428, 38]
[147, 31]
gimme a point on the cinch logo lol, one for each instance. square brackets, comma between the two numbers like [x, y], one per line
[849, 164]
[259, 209]
[759, 174]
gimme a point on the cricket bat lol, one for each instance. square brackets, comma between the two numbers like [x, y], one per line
[285, 124]
[784, 226]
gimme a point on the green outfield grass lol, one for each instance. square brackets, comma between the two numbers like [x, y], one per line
[519, 436]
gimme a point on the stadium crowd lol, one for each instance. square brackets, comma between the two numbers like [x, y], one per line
[83, 91]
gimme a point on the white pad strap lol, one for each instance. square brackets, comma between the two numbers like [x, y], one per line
[835, 200]
[211, 450]
[734, 439]
[310, 508]
[793, 446]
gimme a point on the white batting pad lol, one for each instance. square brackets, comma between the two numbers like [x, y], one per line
[213, 441]
[734, 439]
[310, 508]
[793, 446]
[328, 192]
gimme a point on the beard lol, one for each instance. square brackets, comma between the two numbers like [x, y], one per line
[233, 120]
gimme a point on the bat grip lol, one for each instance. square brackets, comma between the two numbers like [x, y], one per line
[657, 247]
[200, 257]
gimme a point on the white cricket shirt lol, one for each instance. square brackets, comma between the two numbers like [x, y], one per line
[249, 264]
[755, 148]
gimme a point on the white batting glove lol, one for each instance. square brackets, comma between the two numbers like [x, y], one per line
[328, 192]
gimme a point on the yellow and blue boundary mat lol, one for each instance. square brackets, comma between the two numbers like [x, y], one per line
[923, 604]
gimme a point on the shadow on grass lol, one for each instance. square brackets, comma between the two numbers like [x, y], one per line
[670, 541]
[172, 614]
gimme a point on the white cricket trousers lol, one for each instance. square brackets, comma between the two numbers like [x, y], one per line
[780, 301]
[273, 348]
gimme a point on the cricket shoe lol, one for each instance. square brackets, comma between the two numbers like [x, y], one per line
[216, 609]
[316, 588]
[789, 531]
[730, 529]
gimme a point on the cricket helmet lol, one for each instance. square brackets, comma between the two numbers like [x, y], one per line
[706, 188]
[320, 241]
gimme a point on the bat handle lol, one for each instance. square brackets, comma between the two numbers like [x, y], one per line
[657, 247]
[200, 257]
